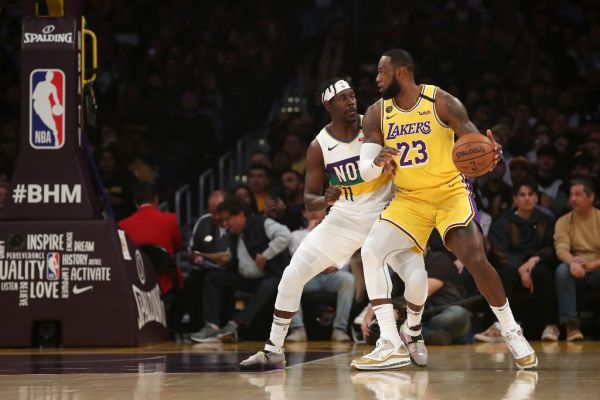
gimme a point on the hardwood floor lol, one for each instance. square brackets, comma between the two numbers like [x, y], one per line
[317, 370]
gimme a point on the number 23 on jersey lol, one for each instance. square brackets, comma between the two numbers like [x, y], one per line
[408, 158]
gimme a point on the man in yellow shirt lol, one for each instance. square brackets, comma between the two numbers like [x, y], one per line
[577, 244]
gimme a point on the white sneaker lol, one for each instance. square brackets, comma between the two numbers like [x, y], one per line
[385, 356]
[490, 335]
[416, 346]
[519, 347]
[550, 333]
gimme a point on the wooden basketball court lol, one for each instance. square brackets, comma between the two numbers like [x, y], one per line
[316, 370]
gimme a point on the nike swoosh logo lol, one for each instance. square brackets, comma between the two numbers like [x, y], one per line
[77, 290]
[390, 116]
[332, 147]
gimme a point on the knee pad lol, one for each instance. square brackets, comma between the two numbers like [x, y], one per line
[416, 288]
[303, 267]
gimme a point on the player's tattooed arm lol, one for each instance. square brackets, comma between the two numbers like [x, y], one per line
[372, 124]
[315, 179]
[373, 134]
[453, 113]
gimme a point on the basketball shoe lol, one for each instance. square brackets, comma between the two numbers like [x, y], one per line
[519, 347]
[263, 360]
[385, 356]
[416, 346]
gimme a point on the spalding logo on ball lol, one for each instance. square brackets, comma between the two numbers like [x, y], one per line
[473, 154]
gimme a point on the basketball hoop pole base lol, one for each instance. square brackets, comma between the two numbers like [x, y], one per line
[59, 259]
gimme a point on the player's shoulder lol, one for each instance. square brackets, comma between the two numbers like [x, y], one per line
[374, 108]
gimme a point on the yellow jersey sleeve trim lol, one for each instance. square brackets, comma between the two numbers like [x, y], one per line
[435, 88]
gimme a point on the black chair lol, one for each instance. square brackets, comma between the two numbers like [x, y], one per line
[174, 300]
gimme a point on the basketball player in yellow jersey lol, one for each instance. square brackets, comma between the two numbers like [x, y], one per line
[411, 129]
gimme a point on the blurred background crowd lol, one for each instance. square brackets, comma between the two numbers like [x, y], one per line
[181, 81]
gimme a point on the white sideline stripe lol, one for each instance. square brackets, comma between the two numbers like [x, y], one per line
[321, 359]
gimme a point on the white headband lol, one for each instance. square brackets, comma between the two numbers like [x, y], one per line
[334, 89]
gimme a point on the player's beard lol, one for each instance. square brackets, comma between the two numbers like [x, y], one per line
[392, 90]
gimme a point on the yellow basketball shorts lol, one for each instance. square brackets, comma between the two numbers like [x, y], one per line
[417, 212]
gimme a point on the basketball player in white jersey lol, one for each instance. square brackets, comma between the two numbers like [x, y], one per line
[355, 205]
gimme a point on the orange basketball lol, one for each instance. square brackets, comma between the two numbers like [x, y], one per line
[473, 154]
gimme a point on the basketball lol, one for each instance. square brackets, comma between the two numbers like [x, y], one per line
[57, 109]
[473, 154]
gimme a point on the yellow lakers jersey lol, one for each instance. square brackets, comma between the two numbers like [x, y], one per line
[424, 143]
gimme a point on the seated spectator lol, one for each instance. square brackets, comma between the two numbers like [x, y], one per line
[332, 280]
[493, 193]
[293, 192]
[520, 169]
[4, 188]
[294, 147]
[443, 323]
[208, 234]
[259, 255]
[244, 193]
[285, 204]
[581, 168]
[117, 182]
[547, 175]
[208, 247]
[577, 244]
[522, 247]
[261, 157]
[259, 181]
[149, 225]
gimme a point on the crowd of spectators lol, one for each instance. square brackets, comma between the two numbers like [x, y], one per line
[180, 81]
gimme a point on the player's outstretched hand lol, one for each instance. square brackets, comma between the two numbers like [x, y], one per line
[332, 193]
[497, 148]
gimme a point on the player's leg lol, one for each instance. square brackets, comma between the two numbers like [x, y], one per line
[410, 267]
[457, 223]
[386, 244]
[466, 243]
[330, 243]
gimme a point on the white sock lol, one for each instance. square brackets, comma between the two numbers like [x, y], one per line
[387, 323]
[505, 317]
[279, 329]
[413, 319]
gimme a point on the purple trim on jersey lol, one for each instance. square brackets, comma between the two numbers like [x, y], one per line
[473, 215]
[407, 233]
[329, 167]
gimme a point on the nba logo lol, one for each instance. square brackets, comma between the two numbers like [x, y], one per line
[53, 266]
[46, 108]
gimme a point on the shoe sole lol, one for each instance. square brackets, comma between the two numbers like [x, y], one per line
[227, 338]
[486, 339]
[207, 340]
[528, 367]
[378, 367]
[416, 363]
[549, 339]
